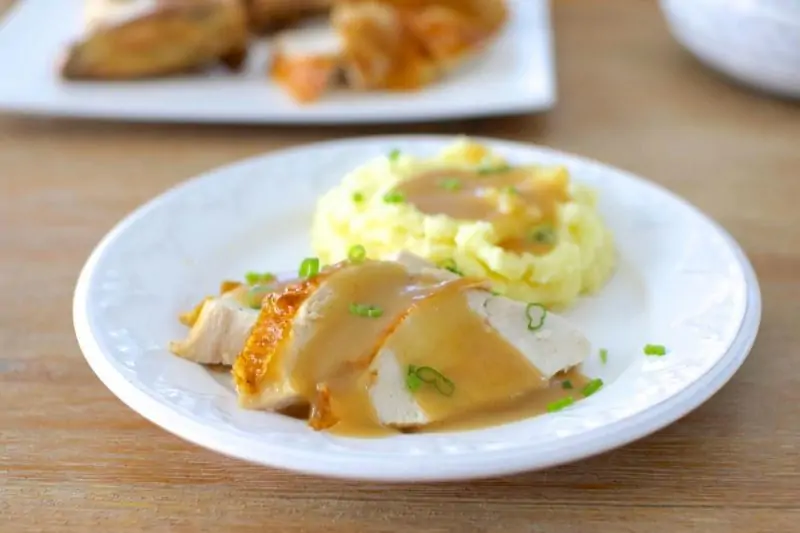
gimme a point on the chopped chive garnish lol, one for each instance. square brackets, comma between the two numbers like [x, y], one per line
[450, 264]
[544, 234]
[603, 355]
[428, 374]
[560, 404]
[394, 197]
[655, 349]
[254, 278]
[496, 169]
[533, 323]
[309, 267]
[394, 154]
[357, 253]
[431, 376]
[592, 387]
[367, 311]
[566, 384]
[358, 197]
[413, 383]
[445, 386]
[511, 190]
[450, 184]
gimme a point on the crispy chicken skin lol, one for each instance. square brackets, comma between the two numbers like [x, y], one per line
[163, 37]
[272, 331]
[380, 51]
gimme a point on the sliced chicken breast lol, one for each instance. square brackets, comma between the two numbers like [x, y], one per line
[265, 382]
[219, 331]
[306, 60]
[277, 392]
[557, 346]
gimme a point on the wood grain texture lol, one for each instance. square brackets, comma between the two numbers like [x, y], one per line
[73, 458]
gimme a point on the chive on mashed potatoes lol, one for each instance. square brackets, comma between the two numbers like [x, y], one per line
[529, 230]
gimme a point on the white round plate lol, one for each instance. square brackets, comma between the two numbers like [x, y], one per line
[682, 282]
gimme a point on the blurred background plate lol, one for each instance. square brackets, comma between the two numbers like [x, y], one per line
[515, 75]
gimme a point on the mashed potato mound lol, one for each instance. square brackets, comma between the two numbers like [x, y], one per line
[355, 212]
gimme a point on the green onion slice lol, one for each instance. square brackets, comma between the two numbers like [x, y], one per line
[450, 264]
[357, 253]
[560, 404]
[544, 234]
[413, 383]
[496, 169]
[511, 190]
[358, 197]
[533, 324]
[309, 267]
[592, 387]
[254, 278]
[431, 376]
[655, 349]
[450, 184]
[603, 355]
[367, 311]
[394, 154]
[394, 197]
[566, 384]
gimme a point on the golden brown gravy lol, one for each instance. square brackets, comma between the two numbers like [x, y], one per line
[526, 406]
[446, 334]
[342, 345]
[519, 206]
[424, 322]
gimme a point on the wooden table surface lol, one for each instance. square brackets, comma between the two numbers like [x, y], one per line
[73, 457]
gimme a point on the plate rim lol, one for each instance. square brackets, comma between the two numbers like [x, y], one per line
[590, 443]
[350, 114]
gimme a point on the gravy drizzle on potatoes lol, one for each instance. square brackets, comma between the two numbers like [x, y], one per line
[536, 235]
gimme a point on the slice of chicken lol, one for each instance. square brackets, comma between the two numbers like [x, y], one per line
[556, 347]
[132, 39]
[218, 332]
[294, 318]
[262, 373]
[306, 60]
